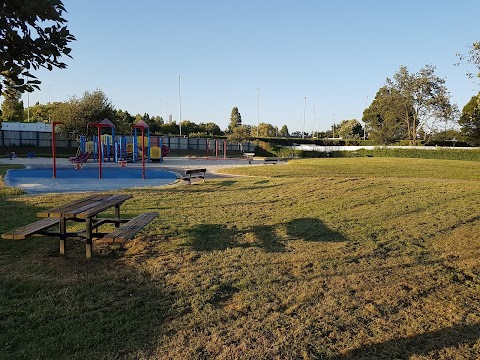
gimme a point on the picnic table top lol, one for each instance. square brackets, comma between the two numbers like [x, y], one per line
[86, 207]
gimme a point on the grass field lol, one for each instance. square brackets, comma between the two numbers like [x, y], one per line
[355, 258]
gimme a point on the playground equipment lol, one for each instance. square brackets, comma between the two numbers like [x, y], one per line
[218, 146]
[123, 149]
[80, 159]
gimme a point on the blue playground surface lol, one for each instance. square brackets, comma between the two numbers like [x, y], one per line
[37, 180]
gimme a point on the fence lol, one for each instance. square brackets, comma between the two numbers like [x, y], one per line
[330, 148]
[44, 139]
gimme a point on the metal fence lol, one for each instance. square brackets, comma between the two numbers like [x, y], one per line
[44, 139]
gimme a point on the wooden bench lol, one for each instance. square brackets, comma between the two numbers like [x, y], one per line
[270, 160]
[128, 230]
[34, 228]
[249, 157]
[194, 173]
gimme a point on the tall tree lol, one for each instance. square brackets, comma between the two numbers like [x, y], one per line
[12, 108]
[470, 121]
[473, 58]
[33, 35]
[239, 134]
[235, 120]
[284, 131]
[123, 121]
[424, 92]
[78, 113]
[385, 117]
[350, 129]
[265, 130]
[210, 128]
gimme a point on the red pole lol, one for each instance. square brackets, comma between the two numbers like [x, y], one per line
[99, 152]
[143, 154]
[55, 123]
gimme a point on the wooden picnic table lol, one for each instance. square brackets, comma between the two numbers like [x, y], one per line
[85, 210]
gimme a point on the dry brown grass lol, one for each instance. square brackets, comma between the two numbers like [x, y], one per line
[292, 264]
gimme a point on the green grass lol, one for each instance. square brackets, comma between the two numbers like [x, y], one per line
[360, 258]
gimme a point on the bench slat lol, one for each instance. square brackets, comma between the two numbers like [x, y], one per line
[130, 228]
[194, 173]
[57, 211]
[270, 160]
[101, 206]
[30, 229]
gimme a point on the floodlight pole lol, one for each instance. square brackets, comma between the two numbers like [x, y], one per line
[55, 123]
[180, 104]
[304, 111]
[258, 110]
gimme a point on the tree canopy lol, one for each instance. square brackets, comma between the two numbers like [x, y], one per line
[470, 121]
[414, 99]
[12, 108]
[77, 113]
[350, 129]
[384, 117]
[473, 58]
[284, 131]
[235, 120]
[33, 35]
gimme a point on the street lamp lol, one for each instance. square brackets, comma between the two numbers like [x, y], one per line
[304, 111]
[293, 127]
[180, 104]
[258, 109]
[364, 123]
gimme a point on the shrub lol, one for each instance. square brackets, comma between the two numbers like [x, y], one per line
[439, 153]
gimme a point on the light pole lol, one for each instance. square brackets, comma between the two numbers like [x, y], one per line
[293, 127]
[161, 107]
[304, 111]
[258, 109]
[364, 123]
[314, 115]
[28, 101]
[180, 104]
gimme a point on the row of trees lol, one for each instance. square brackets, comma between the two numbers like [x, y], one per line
[95, 106]
[389, 118]
[408, 106]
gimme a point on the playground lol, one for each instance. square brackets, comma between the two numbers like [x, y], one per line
[109, 162]
[37, 177]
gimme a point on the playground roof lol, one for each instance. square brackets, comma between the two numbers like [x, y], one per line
[141, 125]
[104, 123]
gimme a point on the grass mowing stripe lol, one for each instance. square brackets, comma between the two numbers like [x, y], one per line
[307, 260]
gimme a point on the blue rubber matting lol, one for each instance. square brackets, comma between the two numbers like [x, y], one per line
[40, 180]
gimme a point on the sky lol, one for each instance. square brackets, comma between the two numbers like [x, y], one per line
[267, 57]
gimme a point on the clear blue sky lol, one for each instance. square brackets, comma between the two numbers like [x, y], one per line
[336, 53]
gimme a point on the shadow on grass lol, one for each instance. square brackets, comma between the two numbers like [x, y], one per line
[312, 229]
[227, 182]
[59, 308]
[422, 344]
[209, 237]
[54, 307]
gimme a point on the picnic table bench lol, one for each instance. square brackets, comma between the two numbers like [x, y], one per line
[85, 210]
[194, 173]
[270, 160]
[249, 157]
